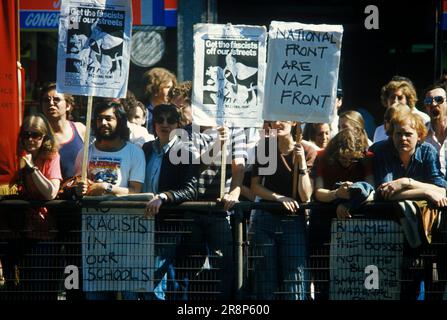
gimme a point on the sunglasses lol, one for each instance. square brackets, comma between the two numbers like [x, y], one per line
[438, 99]
[169, 120]
[55, 99]
[32, 134]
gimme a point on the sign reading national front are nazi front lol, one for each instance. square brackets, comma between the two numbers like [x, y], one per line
[302, 71]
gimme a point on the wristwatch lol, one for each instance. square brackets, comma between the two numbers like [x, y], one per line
[163, 197]
[109, 187]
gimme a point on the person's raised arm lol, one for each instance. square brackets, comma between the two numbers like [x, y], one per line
[48, 188]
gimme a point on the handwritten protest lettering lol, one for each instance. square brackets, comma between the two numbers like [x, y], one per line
[117, 250]
[116, 223]
[302, 71]
[357, 244]
[304, 35]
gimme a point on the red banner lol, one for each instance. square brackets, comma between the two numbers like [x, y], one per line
[44, 5]
[11, 109]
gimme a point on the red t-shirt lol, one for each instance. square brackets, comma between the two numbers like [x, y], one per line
[334, 172]
[50, 168]
[39, 223]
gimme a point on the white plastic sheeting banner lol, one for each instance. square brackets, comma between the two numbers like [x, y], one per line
[117, 250]
[302, 71]
[363, 252]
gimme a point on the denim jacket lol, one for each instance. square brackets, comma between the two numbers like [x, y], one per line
[424, 164]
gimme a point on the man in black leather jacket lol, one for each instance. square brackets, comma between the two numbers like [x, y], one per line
[171, 182]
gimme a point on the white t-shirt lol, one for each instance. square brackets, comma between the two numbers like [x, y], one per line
[117, 168]
[138, 134]
[423, 115]
[380, 133]
[441, 148]
[334, 124]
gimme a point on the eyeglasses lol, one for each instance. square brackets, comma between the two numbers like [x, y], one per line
[438, 99]
[399, 97]
[169, 120]
[55, 99]
[32, 134]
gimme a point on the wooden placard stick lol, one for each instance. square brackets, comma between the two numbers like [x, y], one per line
[223, 168]
[88, 126]
[298, 138]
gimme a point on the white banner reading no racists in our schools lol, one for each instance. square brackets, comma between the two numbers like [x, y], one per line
[94, 47]
[229, 71]
[117, 250]
[302, 71]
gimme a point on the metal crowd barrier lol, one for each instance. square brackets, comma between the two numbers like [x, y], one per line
[331, 253]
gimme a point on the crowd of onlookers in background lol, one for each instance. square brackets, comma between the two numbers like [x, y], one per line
[131, 148]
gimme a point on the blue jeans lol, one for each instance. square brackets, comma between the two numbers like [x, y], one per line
[110, 295]
[279, 250]
[168, 237]
[211, 237]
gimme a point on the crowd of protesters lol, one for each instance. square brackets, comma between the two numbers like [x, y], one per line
[131, 150]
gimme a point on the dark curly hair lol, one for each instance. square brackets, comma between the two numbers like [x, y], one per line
[120, 114]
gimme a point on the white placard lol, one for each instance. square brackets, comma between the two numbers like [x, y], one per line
[117, 250]
[357, 244]
[302, 71]
[229, 71]
[94, 47]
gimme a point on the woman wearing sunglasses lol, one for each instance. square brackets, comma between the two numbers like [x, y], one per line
[41, 172]
[39, 179]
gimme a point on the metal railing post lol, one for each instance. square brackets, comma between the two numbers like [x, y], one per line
[239, 257]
